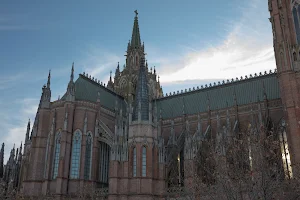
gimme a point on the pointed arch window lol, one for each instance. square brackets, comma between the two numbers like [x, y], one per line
[75, 159]
[296, 21]
[104, 157]
[46, 156]
[282, 61]
[137, 62]
[294, 56]
[56, 155]
[88, 156]
[134, 162]
[144, 161]
[286, 159]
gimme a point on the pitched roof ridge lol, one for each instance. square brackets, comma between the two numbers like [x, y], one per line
[219, 84]
[98, 83]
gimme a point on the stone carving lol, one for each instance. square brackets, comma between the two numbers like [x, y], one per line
[270, 5]
[66, 121]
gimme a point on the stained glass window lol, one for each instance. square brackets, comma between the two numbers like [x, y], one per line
[144, 161]
[134, 162]
[56, 155]
[104, 152]
[296, 21]
[46, 156]
[286, 159]
[75, 159]
[88, 156]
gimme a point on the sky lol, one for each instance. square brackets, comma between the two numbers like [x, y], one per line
[190, 42]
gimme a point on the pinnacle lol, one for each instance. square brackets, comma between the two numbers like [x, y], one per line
[72, 73]
[136, 39]
[49, 77]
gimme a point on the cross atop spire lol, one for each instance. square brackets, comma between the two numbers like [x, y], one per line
[136, 39]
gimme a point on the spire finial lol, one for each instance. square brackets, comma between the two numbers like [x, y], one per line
[49, 77]
[72, 73]
[136, 39]
[27, 132]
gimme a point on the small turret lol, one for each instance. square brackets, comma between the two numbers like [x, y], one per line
[110, 84]
[2, 161]
[46, 94]
[20, 153]
[12, 154]
[70, 95]
[27, 132]
[117, 74]
[49, 77]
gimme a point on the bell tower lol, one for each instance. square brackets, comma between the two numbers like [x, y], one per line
[285, 27]
[125, 81]
[141, 174]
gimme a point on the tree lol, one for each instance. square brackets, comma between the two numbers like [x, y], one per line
[254, 165]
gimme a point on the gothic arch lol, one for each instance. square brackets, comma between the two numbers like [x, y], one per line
[137, 61]
[76, 154]
[134, 161]
[296, 19]
[88, 155]
[134, 79]
[56, 156]
[105, 134]
[294, 56]
[123, 82]
[282, 61]
[77, 130]
[144, 160]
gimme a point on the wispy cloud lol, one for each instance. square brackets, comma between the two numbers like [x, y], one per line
[13, 126]
[15, 22]
[98, 63]
[246, 49]
[7, 81]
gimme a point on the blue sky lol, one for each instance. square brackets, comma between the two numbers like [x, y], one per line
[190, 43]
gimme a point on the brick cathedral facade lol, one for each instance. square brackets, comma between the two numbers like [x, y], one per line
[121, 136]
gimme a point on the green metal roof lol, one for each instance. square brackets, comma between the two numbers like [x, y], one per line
[87, 90]
[220, 96]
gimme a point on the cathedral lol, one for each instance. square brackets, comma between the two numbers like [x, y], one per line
[121, 137]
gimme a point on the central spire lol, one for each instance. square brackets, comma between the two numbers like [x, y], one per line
[141, 104]
[136, 39]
